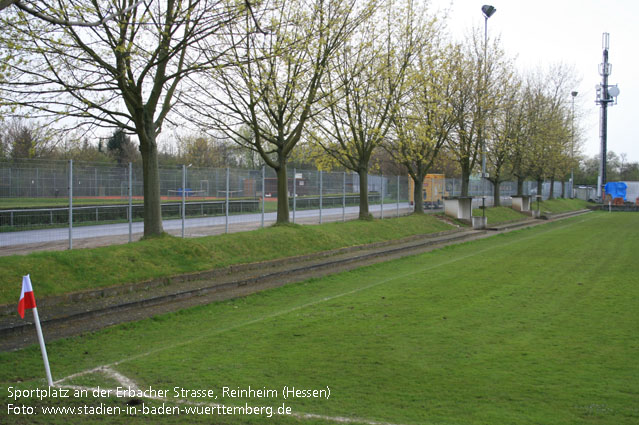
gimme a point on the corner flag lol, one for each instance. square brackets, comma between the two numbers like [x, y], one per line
[27, 301]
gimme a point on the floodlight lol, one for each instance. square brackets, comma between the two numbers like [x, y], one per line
[488, 10]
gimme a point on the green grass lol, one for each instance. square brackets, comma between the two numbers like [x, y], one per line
[24, 203]
[27, 203]
[496, 215]
[536, 326]
[66, 271]
[560, 205]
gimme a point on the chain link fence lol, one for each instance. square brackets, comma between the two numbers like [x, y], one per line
[483, 190]
[60, 202]
[67, 203]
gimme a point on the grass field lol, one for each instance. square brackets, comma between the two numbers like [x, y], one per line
[537, 326]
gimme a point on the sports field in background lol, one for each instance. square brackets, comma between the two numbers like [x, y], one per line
[537, 326]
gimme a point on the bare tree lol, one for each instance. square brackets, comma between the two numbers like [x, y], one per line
[276, 80]
[503, 133]
[424, 118]
[124, 72]
[365, 85]
[42, 10]
[548, 124]
[474, 101]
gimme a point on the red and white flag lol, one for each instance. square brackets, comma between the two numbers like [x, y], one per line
[27, 300]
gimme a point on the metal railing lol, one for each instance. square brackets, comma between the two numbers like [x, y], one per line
[39, 200]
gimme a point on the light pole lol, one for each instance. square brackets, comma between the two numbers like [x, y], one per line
[572, 147]
[488, 11]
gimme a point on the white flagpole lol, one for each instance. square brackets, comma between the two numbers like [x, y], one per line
[36, 318]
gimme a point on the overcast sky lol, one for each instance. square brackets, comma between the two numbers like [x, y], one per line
[544, 32]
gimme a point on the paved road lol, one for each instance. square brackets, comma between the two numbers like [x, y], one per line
[198, 226]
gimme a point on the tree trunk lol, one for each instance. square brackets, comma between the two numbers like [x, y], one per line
[496, 193]
[151, 184]
[363, 195]
[540, 187]
[282, 195]
[563, 188]
[465, 179]
[552, 189]
[418, 194]
[520, 186]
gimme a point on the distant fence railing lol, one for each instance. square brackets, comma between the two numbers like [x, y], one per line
[43, 217]
[40, 195]
[45, 197]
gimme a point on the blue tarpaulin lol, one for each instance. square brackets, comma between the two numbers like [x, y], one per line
[616, 189]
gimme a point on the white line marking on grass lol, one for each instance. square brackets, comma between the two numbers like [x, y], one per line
[107, 370]
[131, 385]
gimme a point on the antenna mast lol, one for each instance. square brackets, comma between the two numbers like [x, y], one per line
[606, 94]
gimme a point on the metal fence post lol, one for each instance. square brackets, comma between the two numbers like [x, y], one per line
[294, 193]
[227, 200]
[320, 195]
[183, 196]
[130, 201]
[408, 190]
[398, 195]
[70, 204]
[343, 195]
[381, 194]
[368, 191]
[263, 191]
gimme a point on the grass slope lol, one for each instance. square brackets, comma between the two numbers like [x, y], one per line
[527, 327]
[66, 271]
[496, 215]
[560, 205]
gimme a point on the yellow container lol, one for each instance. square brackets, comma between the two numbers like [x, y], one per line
[433, 189]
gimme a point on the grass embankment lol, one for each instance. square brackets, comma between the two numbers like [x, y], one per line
[66, 271]
[560, 205]
[497, 215]
[516, 328]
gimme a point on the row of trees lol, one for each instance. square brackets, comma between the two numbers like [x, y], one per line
[335, 81]
[618, 168]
